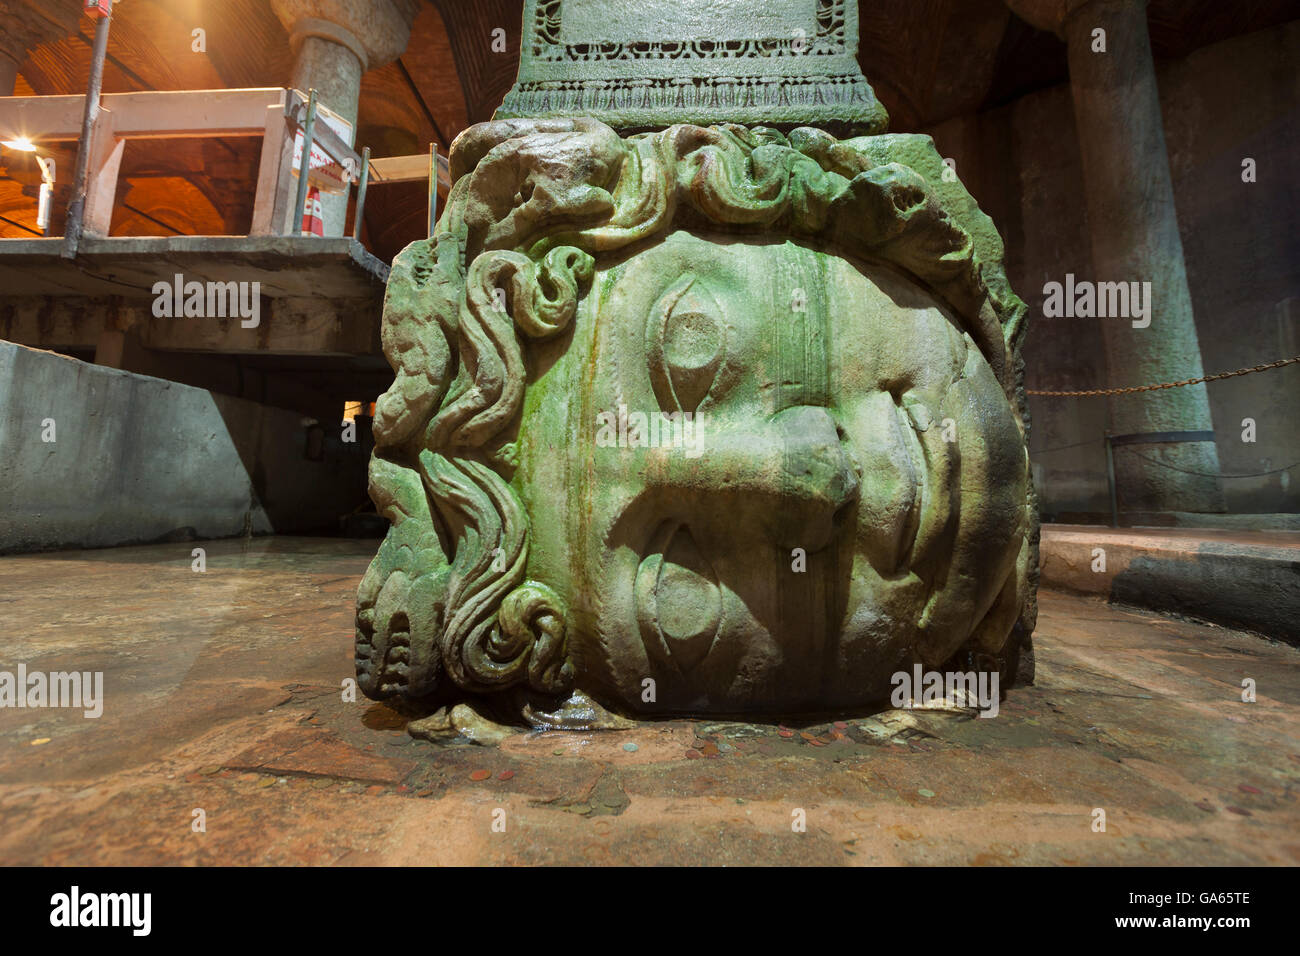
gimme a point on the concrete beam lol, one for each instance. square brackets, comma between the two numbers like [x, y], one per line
[106, 149]
[300, 327]
[285, 266]
[153, 114]
[315, 297]
[408, 169]
[273, 201]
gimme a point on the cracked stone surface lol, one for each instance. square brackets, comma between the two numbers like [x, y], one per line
[223, 693]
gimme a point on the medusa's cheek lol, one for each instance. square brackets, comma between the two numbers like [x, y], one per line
[943, 509]
[993, 520]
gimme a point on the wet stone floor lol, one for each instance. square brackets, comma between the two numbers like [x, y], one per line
[225, 739]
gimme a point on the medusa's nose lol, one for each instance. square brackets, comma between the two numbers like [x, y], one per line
[818, 477]
[793, 469]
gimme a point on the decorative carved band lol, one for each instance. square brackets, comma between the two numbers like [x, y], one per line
[828, 40]
[577, 98]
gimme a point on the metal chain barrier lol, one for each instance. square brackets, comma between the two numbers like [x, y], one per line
[1152, 388]
[1210, 474]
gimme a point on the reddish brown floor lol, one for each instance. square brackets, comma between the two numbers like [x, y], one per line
[223, 694]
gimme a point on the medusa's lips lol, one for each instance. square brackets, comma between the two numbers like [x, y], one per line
[936, 504]
[907, 513]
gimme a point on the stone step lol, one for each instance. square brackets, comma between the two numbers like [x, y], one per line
[1241, 579]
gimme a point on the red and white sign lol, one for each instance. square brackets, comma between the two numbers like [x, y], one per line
[323, 172]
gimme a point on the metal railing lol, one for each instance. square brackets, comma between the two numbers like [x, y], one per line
[275, 114]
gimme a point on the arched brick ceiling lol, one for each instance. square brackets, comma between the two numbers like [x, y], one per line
[176, 204]
[395, 215]
[217, 169]
[1180, 26]
[150, 48]
[486, 75]
[420, 94]
[247, 45]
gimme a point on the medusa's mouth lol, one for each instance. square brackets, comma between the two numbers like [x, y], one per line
[678, 600]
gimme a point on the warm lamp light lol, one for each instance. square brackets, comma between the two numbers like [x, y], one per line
[22, 144]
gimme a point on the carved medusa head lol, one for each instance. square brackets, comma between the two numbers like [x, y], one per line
[832, 323]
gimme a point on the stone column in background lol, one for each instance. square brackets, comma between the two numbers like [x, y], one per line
[8, 73]
[1133, 228]
[334, 42]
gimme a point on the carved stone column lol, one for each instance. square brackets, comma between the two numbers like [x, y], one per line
[334, 42]
[1134, 232]
[8, 74]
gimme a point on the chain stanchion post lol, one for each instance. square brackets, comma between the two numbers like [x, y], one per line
[1110, 482]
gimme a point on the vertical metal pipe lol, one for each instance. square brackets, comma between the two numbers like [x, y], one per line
[77, 207]
[361, 194]
[433, 187]
[304, 166]
[1110, 481]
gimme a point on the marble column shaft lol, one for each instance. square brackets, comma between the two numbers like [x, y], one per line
[1134, 232]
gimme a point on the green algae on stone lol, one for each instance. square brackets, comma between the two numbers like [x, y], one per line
[699, 407]
[708, 420]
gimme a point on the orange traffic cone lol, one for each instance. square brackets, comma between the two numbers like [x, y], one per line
[312, 223]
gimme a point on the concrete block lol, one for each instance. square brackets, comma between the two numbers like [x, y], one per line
[92, 457]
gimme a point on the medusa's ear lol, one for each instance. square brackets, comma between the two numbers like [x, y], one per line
[476, 142]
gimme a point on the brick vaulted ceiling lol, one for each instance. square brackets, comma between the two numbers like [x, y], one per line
[929, 60]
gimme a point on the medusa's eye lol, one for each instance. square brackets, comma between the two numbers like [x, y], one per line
[685, 342]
